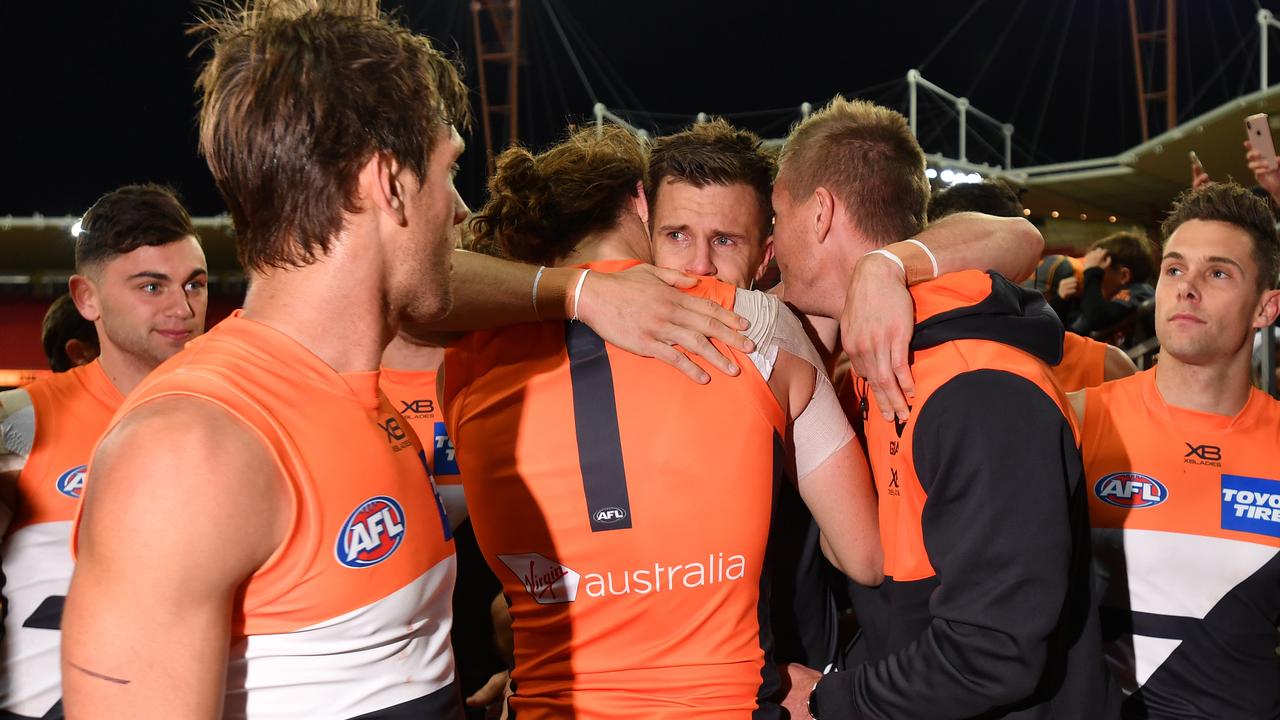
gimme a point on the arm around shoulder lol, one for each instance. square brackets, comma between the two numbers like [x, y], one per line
[182, 505]
[1117, 364]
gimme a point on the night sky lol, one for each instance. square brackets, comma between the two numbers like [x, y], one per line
[99, 94]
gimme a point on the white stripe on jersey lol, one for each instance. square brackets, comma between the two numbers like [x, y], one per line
[1172, 573]
[37, 566]
[392, 651]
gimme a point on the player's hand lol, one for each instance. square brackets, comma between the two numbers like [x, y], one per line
[492, 692]
[1097, 257]
[800, 681]
[640, 311]
[1199, 178]
[1067, 287]
[875, 330]
[1266, 175]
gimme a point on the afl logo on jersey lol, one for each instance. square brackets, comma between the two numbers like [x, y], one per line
[71, 482]
[1131, 490]
[610, 515]
[371, 533]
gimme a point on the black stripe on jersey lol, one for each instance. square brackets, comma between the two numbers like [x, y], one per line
[48, 616]
[595, 418]
[1119, 621]
[770, 692]
[443, 704]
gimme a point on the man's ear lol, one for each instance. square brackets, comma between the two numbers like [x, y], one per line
[80, 352]
[1268, 309]
[1125, 276]
[822, 213]
[764, 260]
[85, 295]
[642, 203]
[382, 186]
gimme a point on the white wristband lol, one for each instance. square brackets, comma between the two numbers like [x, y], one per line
[577, 294]
[537, 279]
[927, 251]
[896, 260]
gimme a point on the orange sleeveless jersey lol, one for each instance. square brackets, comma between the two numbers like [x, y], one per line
[72, 410]
[1084, 363]
[413, 393]
[626, 511]
[350, 616]
[1186, 514]
[891, 446]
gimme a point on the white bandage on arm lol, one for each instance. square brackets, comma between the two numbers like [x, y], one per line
[822, 429]
[17, 423]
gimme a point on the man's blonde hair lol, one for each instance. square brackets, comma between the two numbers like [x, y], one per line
[867, 157]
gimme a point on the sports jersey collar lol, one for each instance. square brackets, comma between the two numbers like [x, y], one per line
[1252, 413]
[409, 377]
[610, 266]
[304, 364]
[95, 380]
[974, 305]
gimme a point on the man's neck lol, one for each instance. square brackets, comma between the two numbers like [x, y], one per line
[122, 369]
[404, 355]
[1219, 388]
[628, 240]
[336, 308]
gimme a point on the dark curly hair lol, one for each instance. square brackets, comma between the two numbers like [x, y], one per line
[541, 206]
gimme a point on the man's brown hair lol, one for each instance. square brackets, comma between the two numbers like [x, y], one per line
[541, 206]
[1231, 203]
[128, 218]
[714, 153]
[1130, 250]
[992, 196]
[867, 157]
[297, 97]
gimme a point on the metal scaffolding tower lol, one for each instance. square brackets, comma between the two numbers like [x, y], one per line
[1168, 35]
[497, 33]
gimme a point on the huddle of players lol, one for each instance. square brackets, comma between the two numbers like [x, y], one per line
[222, 518]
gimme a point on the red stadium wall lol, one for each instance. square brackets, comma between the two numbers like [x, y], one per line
[20, 320]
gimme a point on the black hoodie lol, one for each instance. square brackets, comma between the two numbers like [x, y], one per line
[986, 609]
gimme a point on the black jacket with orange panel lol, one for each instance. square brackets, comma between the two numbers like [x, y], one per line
[986, 609]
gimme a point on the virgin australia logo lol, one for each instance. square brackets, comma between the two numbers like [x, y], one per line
[546, 580]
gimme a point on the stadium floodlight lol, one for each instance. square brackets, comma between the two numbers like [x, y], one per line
[948, 176]
[76, 228]
[931, 173]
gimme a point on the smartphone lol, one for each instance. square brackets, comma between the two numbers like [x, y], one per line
[1195, 160]
[1258, 129]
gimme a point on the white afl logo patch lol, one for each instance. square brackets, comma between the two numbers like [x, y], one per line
[372, 532]
[610, 515]
[71, 482]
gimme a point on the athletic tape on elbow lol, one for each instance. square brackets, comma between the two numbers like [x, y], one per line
[821, 430]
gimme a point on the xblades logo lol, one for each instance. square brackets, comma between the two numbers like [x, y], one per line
[894, 489]
[1203, 454]
[417, 407]
[392, 428]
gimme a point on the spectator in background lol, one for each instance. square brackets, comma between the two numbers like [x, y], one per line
[1117, 275]
[1085, 361]
[991, 196]
[68, 339]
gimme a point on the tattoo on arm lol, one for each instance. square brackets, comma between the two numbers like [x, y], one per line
[100, 676]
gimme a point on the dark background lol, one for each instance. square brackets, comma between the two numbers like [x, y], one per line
[99, 94]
